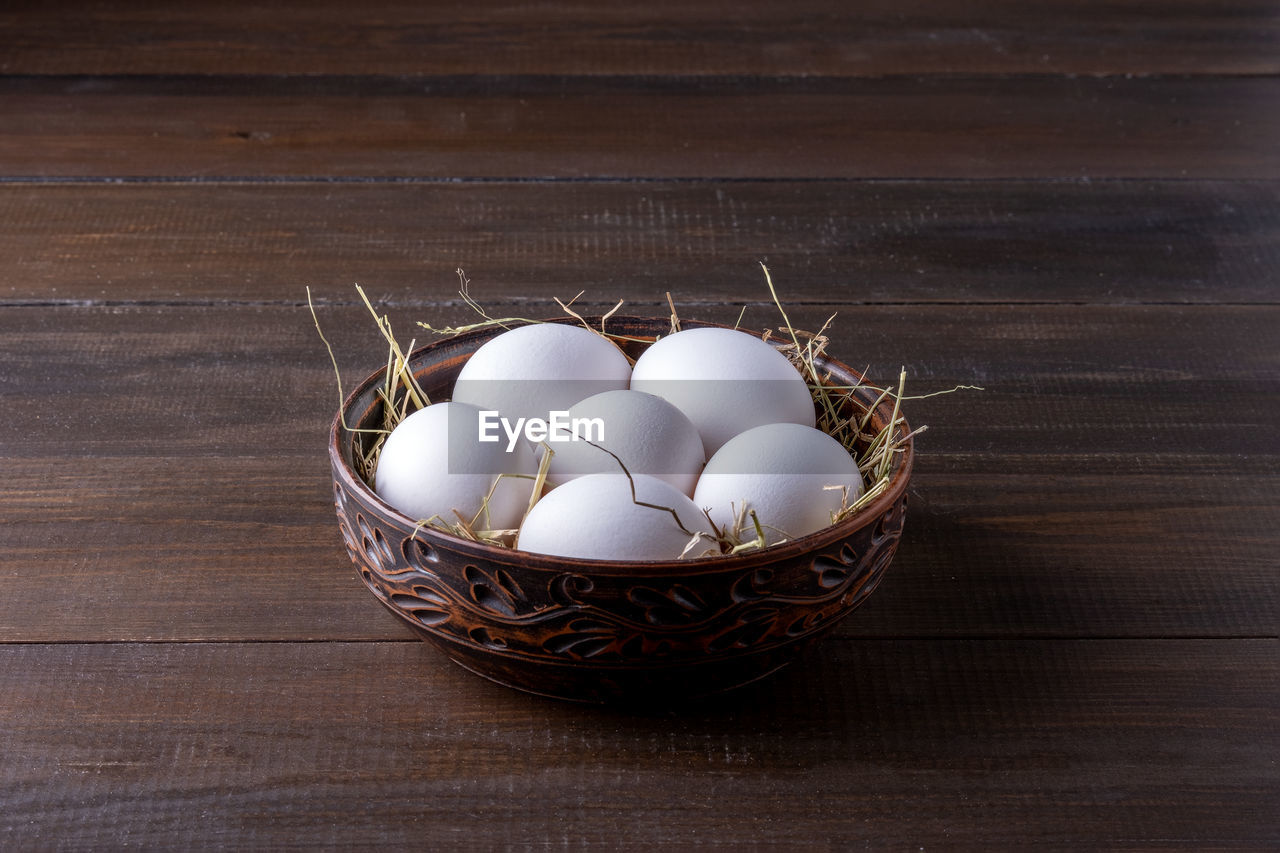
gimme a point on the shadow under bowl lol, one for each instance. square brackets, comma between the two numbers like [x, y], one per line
[604, 631]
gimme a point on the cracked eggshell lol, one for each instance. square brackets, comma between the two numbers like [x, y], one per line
[649, 435]
[594, 518]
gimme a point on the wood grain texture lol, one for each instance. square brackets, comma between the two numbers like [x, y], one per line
[176, 381]
[1112, 480]
[248, 549]
[1073, 204]
[812, 37]
[566, 127]
[871, 742]
[827, 241]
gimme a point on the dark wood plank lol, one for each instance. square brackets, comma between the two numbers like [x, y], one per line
[1074, 744]
[1074, 205]
[157, 381]
[624, 127]
[856, 241]
[178, 549]
[1116, 478]
[665, 37]
[247, 548]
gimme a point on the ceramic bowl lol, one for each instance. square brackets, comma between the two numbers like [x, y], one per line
[601, 631]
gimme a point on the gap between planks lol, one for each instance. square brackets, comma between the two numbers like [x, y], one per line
[830, 640]
[450, 180]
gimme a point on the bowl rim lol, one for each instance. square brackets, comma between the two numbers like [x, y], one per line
[346, 477]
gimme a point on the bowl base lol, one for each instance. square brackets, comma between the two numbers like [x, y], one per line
[632, 686]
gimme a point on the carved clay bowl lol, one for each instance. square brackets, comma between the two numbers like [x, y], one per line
[599, 631]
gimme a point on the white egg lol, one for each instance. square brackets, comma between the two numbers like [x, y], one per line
[433, 463]
[782, 471]
[595, 518]
[531, 371]
[647, 433]
[725, 381]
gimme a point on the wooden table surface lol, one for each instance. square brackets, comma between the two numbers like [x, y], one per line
[1074, 205]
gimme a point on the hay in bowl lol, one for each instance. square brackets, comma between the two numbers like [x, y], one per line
[607, 631]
